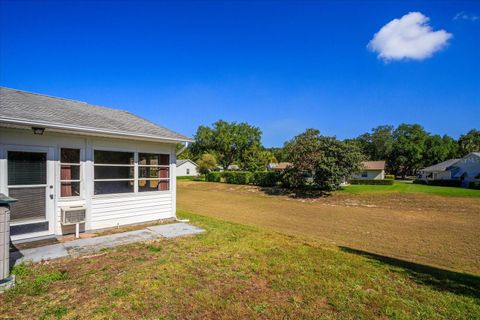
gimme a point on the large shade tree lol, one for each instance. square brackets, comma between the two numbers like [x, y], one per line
[469, 142]
[378, 144]
[407, 150]
[228, 141]
[438, 149]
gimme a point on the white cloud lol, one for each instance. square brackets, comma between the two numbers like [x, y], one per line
[409, 37]
[466, 16]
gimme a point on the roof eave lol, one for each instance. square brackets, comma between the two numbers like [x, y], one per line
[94, 131]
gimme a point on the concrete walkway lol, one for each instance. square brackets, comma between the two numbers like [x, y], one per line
[87, 246]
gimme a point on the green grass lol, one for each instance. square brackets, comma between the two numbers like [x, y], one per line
[234, 271]
[191, 178]
[413, 188]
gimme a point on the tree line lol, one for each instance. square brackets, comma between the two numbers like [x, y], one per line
[405, 148]
[409, 147]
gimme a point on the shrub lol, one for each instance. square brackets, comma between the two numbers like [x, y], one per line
[446, 183]
[372, 182]
[237, 177]
[474, 185]
[214, 176]
[418, 181]
[390, 177]
[440, 183]
[265, 178]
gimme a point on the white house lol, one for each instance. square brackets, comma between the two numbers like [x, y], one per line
[278, 166]
[439, 171]
[186, 167]
[58, 154]
[467, 169]
[371, 170]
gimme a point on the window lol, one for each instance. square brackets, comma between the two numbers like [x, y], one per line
[188, 171]
[113, 172]
[70, 172]
[153, 172]
[364, 174]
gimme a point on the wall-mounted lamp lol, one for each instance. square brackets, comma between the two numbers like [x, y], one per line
[37, 130]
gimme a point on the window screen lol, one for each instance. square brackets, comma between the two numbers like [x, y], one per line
[27, 168]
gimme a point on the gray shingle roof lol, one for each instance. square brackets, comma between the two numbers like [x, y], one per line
[442, 166]
[182, 161]
[36, 108]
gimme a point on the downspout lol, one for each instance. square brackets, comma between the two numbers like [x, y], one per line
[178, 153]
[183, 148]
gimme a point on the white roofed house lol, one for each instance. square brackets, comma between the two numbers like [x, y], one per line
[439, 171]
[58, 155]
[186, 167]
[371, 170]
[467, 169]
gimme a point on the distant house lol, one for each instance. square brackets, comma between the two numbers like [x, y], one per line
[439, 171]
[278, 166]
[186, 167]
[233, 167]
[467, 169]
[371, 170]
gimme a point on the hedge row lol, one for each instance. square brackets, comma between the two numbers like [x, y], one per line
[238, 177]
[446, 183]
[390, 177]
[441, 183]
[266, 178]
[372, 182]
[474, 185]
[214, 176]
[259, 178]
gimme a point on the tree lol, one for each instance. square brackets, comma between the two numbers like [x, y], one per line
[382, 142]
[378, 144]
[469, 142]
[408, 149]
[439, 149]
[364, 143]
[279, 154]
[185, 154]
[325, 161]
[227, 141]
[206, 163]
[257, 159]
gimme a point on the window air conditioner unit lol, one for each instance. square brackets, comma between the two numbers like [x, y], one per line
[73, 215]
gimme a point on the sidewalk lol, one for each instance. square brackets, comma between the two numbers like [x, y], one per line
[91, 245]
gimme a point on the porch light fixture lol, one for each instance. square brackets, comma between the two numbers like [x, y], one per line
[37, 130]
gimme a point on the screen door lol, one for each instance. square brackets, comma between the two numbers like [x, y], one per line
[27, 182]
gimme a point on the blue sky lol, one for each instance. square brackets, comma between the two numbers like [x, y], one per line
[280, 65]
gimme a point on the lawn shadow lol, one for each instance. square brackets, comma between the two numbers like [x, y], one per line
[295, 193]
[438, 279]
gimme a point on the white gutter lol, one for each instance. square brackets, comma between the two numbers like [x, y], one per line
[105, 132]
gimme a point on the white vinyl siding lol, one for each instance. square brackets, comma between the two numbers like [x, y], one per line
[129, 209]
[370, 175]
[187, 169]
[103, 211]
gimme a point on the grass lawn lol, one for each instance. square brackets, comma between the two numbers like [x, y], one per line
[422, 228]
[238, 272]
[406, 187]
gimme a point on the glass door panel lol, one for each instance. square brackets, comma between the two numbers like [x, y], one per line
[27, 182]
